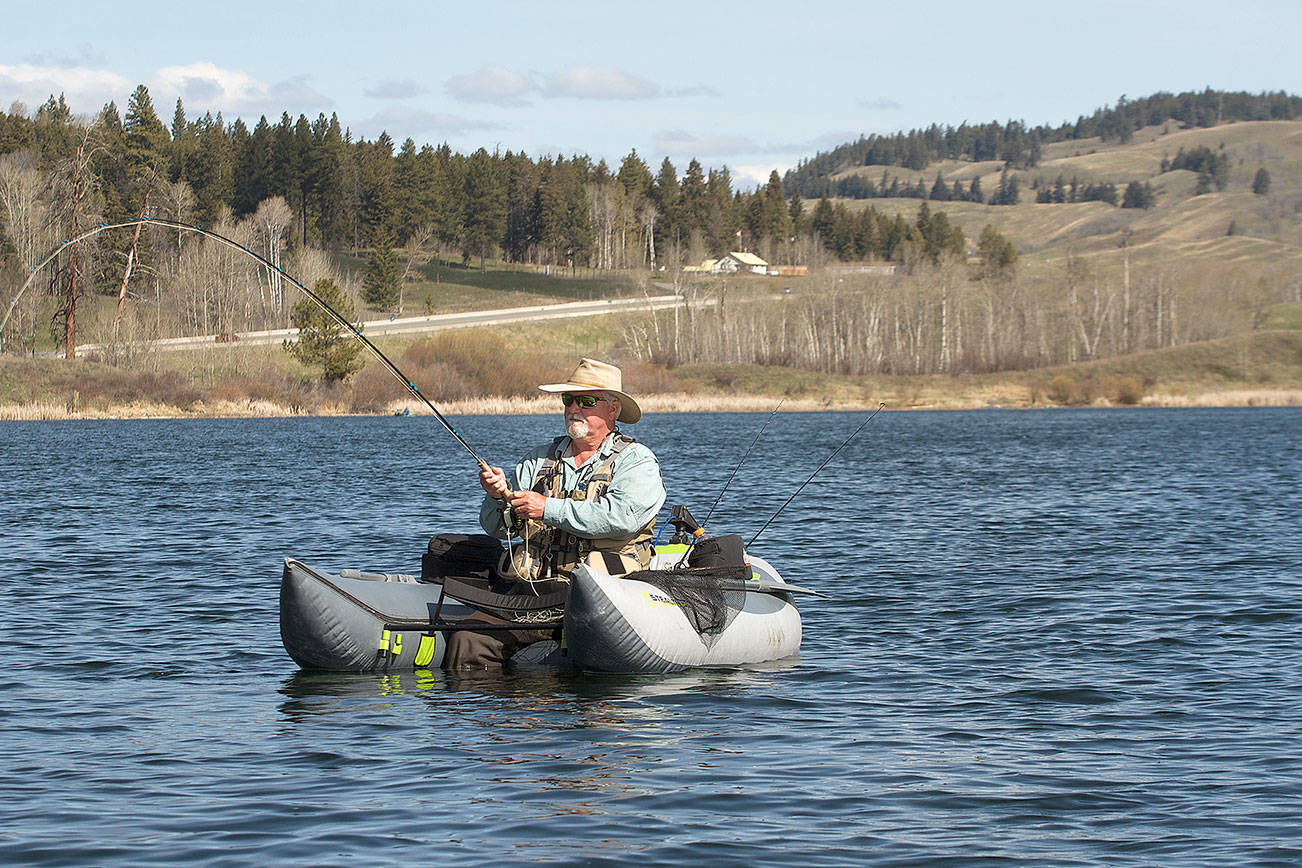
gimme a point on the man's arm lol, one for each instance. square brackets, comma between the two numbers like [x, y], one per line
[490, 511]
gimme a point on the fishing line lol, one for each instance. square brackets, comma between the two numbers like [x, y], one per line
[356, 332]
[742, 461]
[815, 473]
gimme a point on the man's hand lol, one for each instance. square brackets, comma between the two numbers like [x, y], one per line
[527, 504]
[493, 481]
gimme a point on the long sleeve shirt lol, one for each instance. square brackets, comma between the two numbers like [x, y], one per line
[631, 501]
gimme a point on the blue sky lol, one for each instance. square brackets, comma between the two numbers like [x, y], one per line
[754, 85]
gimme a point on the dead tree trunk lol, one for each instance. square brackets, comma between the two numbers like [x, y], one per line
[126, 273]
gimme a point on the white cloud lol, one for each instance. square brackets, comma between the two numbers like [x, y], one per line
[403, 121]
[599, 82]
[506, 87]
[879, 104]
[86, 54]
[490, 84]
[395, 89]
[297, 92]
[204, 86]
[757, 175]
[86, 90]
[685, 144]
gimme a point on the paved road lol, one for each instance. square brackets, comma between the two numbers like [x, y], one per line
[434, 322]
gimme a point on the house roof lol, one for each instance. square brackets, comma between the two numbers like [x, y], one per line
[706, 265]
[747, 258]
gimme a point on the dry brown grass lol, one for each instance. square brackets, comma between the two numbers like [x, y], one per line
[1229, 398]
[1008, 395]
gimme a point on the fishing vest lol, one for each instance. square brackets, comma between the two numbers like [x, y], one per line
[610, 555]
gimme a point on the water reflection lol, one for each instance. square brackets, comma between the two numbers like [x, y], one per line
[305, 690]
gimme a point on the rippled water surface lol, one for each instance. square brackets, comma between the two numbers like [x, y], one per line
[1055, 638]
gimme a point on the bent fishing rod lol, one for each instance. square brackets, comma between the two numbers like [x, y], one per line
[826, 461]
[320, 302]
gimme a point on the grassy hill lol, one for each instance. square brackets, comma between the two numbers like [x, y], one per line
[1182, 225]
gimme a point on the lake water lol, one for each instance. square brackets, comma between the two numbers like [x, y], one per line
[1055, 638]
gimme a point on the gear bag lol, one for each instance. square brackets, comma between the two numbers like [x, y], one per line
[462, 554]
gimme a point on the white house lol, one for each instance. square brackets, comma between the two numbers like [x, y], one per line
[739, 261]
[731, 264]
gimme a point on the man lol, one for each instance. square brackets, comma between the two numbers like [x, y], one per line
[595, 491]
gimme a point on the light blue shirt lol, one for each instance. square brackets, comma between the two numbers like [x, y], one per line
[631, 501]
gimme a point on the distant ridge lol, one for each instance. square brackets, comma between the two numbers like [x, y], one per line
[1018, 146]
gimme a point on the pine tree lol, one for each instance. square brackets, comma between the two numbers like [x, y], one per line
[777, 220]
[330, 161]
[695, 210]
[182, 143]
[1139, 195]
[146, 142]
[520, 236]
[634, 176]
[253, 169]
[321, 339]
[1008, 193]
[939, 190]
[484, 215]
[110, 167]
[375, 206]
[796, 209]
[209, 170]
[822, 221]
[1261, 182]
[380, 287]
[53, 135]
[665, 194]
[996, 255]
[408, 211]
[723, 215]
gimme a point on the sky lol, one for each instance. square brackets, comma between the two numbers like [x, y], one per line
[755, 86]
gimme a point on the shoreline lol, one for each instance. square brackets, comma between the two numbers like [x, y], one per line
[656, 403]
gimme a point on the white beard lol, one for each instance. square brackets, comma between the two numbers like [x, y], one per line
[577, 429]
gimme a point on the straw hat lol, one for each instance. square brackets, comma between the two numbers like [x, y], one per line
[594, 376]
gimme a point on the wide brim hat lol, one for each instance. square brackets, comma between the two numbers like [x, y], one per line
[594, 376]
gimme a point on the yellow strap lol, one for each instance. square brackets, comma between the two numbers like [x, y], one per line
[425, 651]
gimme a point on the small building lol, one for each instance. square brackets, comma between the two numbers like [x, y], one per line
[731, 264]
[741, 261]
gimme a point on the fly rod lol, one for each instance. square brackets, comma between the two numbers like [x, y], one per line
[741, 462]
[334, 314]
[826, 461]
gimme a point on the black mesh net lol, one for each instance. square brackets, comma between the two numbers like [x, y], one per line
[710, 597]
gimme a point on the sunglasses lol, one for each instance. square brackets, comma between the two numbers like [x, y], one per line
[585, 402]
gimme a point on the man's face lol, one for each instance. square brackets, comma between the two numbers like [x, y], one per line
[582, 421]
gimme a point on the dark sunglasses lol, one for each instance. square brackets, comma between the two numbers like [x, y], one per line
[585, 402]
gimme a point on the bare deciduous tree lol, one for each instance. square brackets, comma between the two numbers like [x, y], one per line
[273, 221]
